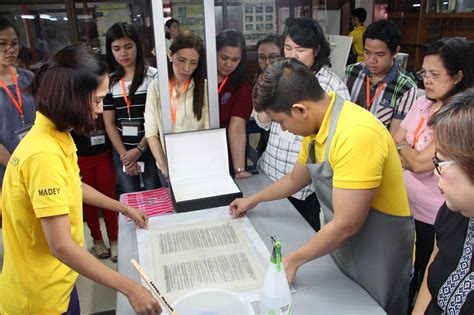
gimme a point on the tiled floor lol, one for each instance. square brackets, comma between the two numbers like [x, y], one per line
[95, 298]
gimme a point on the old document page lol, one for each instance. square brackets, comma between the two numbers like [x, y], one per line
[203, 249]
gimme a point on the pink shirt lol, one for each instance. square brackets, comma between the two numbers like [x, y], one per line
[422, 188]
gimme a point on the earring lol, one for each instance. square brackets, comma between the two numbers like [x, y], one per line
[456, 82]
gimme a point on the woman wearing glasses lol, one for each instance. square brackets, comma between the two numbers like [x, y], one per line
[268, 51]
[448, 285]
[305, 41]
[17, 110]
[447, 69]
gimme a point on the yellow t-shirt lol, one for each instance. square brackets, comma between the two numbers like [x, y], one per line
[358, 41]
[41, 180]
[362, 156]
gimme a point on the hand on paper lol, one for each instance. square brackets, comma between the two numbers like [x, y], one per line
[243, 174]
[138, 216]
[240, 206]
[130, 156]
[142, 301]
[132, 169]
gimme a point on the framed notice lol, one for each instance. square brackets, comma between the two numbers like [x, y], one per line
[258, 20]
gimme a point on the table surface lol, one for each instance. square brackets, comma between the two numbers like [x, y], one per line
[320, 287]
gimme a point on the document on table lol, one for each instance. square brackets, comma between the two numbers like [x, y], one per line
[203, 249]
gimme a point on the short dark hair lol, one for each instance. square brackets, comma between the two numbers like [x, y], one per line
[360, 14]
[457, 55]
[117, 31]
[271, 39]
[188, 39]
[64, 85]
[307, 33]
[168, 25]
[385, 31]
[453, 126]
[284, 83]
[234, 38]
[6, 23]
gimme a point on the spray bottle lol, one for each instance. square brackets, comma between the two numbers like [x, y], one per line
[275, 298]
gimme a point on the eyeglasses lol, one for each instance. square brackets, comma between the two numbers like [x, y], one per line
[422, 74]
[5, 46]
[438, 163]
[271, 58]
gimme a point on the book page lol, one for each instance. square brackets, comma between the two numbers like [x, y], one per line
[214, 253]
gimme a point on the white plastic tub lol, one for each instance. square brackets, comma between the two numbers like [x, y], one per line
[213, 302]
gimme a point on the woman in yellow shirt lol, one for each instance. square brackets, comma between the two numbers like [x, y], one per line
[42, 197]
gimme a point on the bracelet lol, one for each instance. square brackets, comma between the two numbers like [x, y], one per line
[401, 146]
[124, 212]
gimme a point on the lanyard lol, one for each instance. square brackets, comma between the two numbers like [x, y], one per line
[222, 84]
[18, 104]
[368, 101]
[417, 133]
[127, 100]
[173, 106]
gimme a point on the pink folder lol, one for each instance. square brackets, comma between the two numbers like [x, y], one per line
[153, 202]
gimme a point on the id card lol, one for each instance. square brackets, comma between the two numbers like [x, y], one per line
[130, 128]
[22, 132]
[141, 165]
[97, 137]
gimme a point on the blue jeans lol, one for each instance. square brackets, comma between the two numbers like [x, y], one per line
[149, 178]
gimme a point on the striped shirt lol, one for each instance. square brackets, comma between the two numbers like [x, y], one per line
[283, 148]
[114, 101]
[395, 99]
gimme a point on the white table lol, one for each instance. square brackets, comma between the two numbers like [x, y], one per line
[321, 287]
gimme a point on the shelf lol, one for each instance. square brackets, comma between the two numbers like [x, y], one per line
[403, 15]
[465, 15]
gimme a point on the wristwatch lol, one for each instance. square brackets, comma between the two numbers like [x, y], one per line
[141, 148]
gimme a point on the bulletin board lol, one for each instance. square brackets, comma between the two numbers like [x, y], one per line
[190, 15]
[107, 14]
[259, 20]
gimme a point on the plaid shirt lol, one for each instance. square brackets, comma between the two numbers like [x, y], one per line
[281, 155]
[395, 99]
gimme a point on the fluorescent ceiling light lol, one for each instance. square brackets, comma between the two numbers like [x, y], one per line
[27, 17]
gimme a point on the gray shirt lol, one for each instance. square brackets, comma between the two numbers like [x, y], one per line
[10, 120]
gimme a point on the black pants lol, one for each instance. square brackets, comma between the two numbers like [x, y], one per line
[423, 248]
[309, 209]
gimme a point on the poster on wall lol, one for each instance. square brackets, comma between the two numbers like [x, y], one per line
[190, 15]
[107, 14]
[258, 20]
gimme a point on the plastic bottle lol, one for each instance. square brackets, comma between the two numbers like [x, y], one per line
[275, 298]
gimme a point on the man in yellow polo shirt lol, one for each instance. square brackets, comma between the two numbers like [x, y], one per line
[352, 161]
[358, 17]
